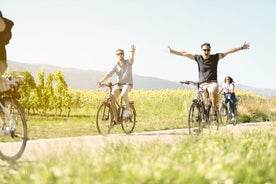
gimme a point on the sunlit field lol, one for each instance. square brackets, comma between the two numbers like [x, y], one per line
[156, 110]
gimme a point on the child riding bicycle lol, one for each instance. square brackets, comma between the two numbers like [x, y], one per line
[228, 89]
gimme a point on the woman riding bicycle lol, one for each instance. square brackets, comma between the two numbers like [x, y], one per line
[228, 88]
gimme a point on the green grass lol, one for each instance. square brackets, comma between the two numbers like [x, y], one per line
[156, 110]
[224, 157]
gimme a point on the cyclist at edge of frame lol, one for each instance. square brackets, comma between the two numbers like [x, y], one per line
[123, 70]
[207, 68]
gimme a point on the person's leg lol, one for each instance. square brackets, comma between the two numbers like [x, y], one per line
[125, 90]
[213, 92]
[233, 103]
[116, 91]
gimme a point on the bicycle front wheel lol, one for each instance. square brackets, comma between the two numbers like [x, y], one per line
[128, 124]
[213, 120]
[223, 115]
[104, 119]
[13, 129]
[194, 119]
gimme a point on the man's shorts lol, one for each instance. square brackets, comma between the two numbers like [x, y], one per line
[210, 86]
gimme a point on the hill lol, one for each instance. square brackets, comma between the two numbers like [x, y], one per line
[86, 79]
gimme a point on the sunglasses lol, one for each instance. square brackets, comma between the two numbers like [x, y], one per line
[206, 50]
[118, 54]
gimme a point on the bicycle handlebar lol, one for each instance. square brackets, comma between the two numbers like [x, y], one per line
[193, 82]
[110, 85]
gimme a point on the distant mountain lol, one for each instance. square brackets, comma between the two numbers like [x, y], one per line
[86, 79]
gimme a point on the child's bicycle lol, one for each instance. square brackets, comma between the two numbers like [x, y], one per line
[199, 113]
[225, 113]
[111, 113]
[13, 126]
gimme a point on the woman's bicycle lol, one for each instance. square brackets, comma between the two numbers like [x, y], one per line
[13, 126]
[111, 113]
[199, 113]
[226, 115]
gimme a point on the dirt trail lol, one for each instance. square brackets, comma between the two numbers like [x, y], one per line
[46, 148]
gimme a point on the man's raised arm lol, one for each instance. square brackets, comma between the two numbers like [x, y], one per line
[234, 49]
[181, 53]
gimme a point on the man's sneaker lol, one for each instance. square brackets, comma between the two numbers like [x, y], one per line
[126, 114]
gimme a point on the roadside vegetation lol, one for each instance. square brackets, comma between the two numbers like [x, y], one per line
[53, 109]
[226, 157]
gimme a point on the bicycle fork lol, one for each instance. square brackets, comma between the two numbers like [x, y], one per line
[6, 129]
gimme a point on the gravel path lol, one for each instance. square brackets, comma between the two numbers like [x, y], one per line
[46, 148]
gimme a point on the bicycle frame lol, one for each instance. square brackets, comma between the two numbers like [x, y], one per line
[11, 122]
[111, 112]
[202, 98]
[13, 129]
[115, 106]
[199, 112]
[226, 113]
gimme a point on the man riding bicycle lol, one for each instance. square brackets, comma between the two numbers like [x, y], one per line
[207, 67]
[123, 70]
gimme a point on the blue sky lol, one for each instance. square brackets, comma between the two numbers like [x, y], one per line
[86, 33]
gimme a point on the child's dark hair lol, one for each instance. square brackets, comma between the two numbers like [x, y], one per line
[230, 78]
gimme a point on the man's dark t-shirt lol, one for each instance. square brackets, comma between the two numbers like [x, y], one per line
[207, 69]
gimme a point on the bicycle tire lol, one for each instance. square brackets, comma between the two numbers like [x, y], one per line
[224, 115]
[104, 119]
[194, 119]
[13, 130]
[213, 120]
[129, 123]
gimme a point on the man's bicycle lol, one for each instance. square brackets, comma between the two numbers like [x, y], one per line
[199, 113]
[111, 113]
[226, 115]
[13, 126]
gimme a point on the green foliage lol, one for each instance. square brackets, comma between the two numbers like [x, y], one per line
[247, 157]
[244, 118]
[163, 109]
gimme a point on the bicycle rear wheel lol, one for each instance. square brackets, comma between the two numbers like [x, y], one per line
[104, 119]
[13, 129]
[194, 119]
[128, 124]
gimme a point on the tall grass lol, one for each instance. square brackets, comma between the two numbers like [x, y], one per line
[226, 157]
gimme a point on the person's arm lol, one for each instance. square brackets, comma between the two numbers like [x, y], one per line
[232, 87]
[181, 53]
[133, 49]
[234, 49]
[107, 76]
[2, 24]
